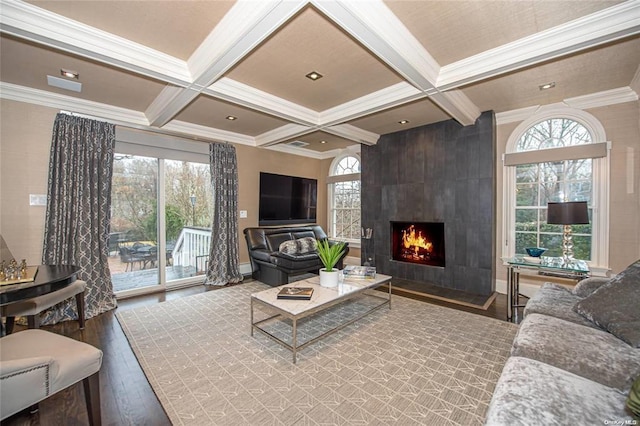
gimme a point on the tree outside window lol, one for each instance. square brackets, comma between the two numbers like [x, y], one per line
[539, 183]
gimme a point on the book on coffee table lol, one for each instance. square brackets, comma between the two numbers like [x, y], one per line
[298, 293]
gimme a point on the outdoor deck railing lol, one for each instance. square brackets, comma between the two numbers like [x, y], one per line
[192, 244]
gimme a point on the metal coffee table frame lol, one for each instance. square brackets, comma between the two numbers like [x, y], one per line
[361, 287]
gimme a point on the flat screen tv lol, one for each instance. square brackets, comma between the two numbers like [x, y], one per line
[287, 200]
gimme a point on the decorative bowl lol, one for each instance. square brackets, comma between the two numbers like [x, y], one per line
[535, 251]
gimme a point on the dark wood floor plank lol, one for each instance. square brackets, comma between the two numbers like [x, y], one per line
[126, 396]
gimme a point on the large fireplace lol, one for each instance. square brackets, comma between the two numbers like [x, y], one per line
[418, 242]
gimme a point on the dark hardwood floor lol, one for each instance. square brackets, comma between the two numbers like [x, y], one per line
[126, 396]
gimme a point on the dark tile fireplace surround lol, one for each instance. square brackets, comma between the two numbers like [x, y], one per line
[440, 173]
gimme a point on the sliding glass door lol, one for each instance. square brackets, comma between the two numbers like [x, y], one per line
[160, 223]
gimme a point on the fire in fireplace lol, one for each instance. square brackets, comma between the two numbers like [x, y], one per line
[418, 242]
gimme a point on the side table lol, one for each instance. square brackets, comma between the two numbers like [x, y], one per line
[550, 266]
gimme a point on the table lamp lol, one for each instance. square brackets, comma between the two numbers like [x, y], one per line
[567, 214]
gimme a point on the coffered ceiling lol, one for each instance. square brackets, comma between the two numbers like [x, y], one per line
[183, 67]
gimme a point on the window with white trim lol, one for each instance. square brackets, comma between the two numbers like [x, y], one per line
[344, 198]
[556, 156]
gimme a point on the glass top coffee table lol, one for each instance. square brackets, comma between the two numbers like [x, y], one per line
[322, 299]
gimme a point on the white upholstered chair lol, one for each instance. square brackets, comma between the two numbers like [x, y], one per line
[35, 364]
[30, 308]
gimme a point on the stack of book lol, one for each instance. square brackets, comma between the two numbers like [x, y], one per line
[297, 293]
[359, 272]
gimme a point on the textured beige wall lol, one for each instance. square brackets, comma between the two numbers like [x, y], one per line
[25, 140]
[622, 126]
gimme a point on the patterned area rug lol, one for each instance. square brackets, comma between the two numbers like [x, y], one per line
[414, 364]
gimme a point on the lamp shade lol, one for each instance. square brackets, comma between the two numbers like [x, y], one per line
[569, 213]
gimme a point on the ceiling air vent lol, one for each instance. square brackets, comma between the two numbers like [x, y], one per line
[297, 144]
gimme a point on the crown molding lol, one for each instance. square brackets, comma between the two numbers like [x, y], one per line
[593, 100]
[32, 23]
[57, 101]
[515, 115]
[592, 30]
[347, 131]
[380, 100]
[604, 98]
[242, 94]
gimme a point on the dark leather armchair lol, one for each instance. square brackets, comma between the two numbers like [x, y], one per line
[273, 267]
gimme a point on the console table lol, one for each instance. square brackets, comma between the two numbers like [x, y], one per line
[549, 266]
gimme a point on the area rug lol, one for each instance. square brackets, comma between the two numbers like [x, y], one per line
[416, 363]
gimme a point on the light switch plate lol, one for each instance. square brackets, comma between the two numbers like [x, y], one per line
[243, 214]
[37, 200]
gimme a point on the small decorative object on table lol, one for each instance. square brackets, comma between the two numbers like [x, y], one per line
[360, 272]
[535, 251]
[297, 293]
[12, 273]
[329, 255]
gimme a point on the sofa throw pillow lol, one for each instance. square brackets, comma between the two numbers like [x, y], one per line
[299, 246]
[633, 400]
[614, 306]
[587, 286]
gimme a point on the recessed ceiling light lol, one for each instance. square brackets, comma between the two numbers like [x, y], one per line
[323, 141]
[69, 73]
[231, 117]
[314, 75]
[546, 86]
[403, 121]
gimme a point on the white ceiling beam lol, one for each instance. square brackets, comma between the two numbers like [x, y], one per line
[210, 133]
[457, 105]
[607, 25]
[282, 134]
[347, 131]
[380, 31]
[374, 25]
[380, 100]
[250, 97]
[40, 26]
[246, 25]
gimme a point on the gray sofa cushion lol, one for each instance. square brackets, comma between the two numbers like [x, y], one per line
[587, 352]
[615, 306]
[556, 301]
[585, 287]
[530, 392]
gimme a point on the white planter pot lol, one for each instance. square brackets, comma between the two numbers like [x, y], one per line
[329, 279]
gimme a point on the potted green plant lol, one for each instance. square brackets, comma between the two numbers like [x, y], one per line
[329, 255]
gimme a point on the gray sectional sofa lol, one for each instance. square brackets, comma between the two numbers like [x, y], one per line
[575, 357]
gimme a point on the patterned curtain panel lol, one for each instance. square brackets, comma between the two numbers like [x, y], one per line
[223, 255]
[78, 210]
